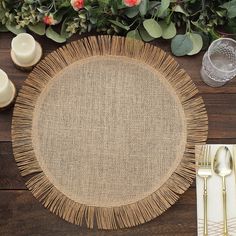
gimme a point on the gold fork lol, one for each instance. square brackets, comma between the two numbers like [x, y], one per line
[204, 171]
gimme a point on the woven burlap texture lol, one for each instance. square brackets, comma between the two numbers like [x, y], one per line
[108, 131]
[104, 131]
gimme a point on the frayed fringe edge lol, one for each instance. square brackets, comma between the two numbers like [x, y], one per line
[107, 217]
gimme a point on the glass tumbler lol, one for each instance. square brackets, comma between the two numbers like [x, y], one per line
[219, 62]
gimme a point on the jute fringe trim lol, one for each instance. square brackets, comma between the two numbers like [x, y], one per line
[107, 217]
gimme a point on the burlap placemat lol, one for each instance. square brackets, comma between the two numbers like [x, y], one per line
[105, 128]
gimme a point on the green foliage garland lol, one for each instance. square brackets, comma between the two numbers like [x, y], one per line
[190, 24]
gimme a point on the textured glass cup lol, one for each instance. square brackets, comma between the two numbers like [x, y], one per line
[219, 62]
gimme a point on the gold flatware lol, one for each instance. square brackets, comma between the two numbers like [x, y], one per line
[223, 166]
[204, 171]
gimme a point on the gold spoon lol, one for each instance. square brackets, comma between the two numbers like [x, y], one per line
[223, 165]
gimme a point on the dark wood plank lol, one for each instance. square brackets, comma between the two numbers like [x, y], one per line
[10, 177]
[5, 125]
[222, 115]
[22, 214]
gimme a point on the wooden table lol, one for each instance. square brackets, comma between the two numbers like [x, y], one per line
[22, 214]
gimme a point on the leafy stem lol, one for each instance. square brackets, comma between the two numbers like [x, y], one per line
[54, 5]
[188, 26]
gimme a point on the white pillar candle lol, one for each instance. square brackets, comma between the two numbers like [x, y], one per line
[24, 48]
[7, 90]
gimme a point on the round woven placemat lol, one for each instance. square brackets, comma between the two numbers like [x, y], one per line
[105, 129]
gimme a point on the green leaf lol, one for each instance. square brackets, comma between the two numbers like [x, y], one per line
[221, 12]
[50, 33]
[117, 23]
[164, 5]
[230, 7]
[13, 29]
[199, 26]
[134, 34]
[168, 30]
[131, 12]
[179, 9]
[38, 28]
[232, 12]
[181, 45]
[63, 28]
[197, 43]
[214, 35]
[144, 34]
[143, 7]
[153, 28]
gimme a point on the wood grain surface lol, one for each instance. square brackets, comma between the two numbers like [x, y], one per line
[22, 215]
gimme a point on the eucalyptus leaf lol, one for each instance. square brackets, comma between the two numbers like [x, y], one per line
[12, 28]
[168, 30]
[179, 9]
[39, 28]
[134, 34]
[143, 7]
[181, 45]
[232, 12]
[164, 6]
[230, 7]
[153, 28]
[50, 33]
[144, 34]
[117, 23]
[197, 43]
[131, 12]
